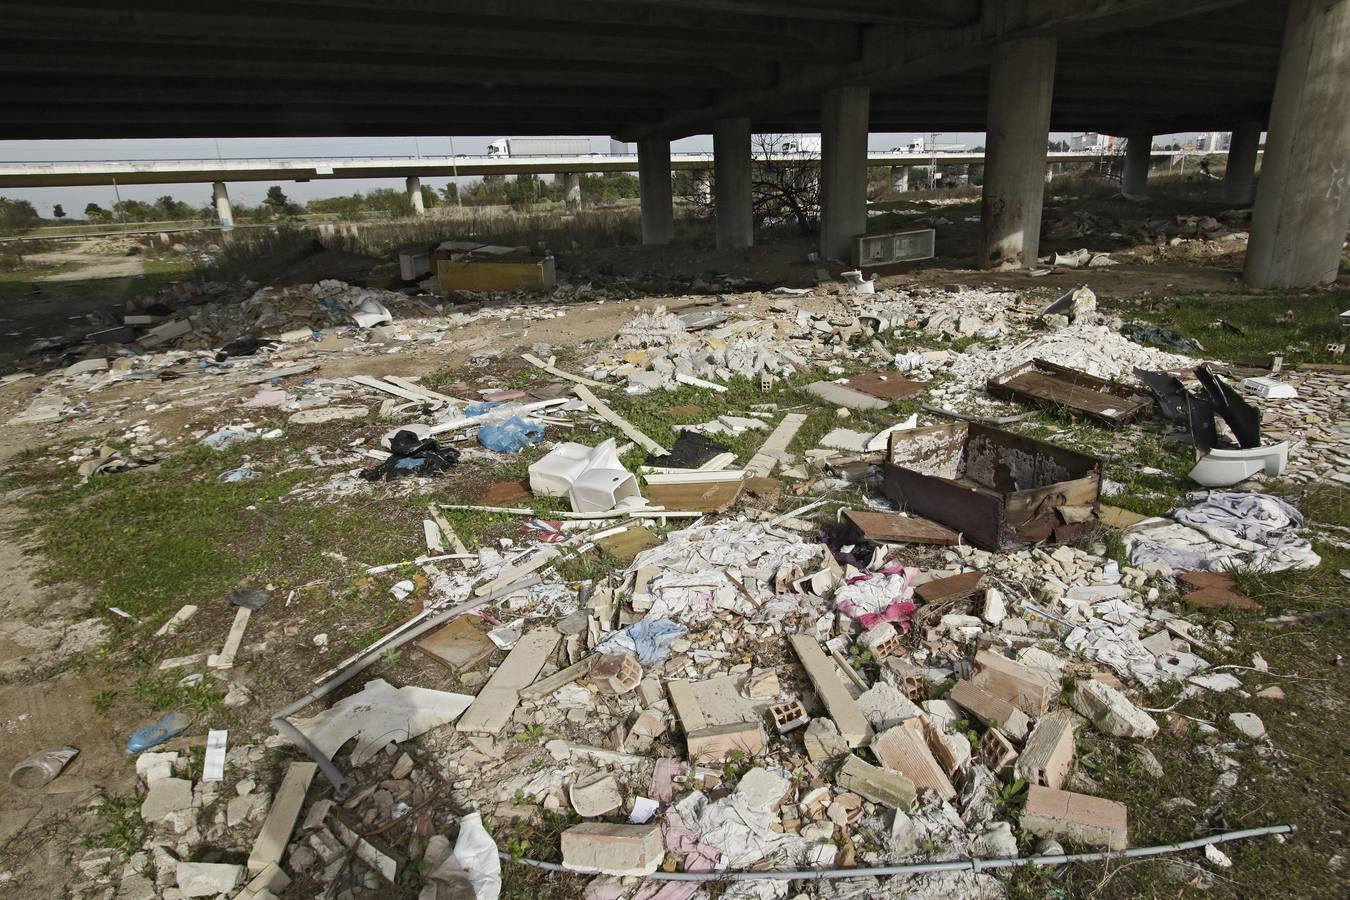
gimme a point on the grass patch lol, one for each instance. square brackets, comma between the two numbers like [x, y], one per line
[1298, 326]
[117, 825]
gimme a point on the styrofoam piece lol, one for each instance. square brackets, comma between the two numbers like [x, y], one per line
[600, 490]
[553, 475]
[591, 478]
[1269, 388]
[1223, 468]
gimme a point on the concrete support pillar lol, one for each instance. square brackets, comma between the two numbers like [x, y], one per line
[414, 186]
[222, 200]
[658, 206]
[1138, 155]
[844, 114]
[900, 179]
[1239, 178]
[572, 190]
[1303, 196]
[1021, 82]
[731, 182]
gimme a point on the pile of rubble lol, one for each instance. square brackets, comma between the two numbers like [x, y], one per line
[754, 690]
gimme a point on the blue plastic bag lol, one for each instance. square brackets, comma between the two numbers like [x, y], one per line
[511, 436]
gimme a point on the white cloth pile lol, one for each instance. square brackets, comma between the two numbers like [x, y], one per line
[1237, 531]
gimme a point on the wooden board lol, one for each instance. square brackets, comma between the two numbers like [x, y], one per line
[897, 529]
[699, 496]
[459, 645]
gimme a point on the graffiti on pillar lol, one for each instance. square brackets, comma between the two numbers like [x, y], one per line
[1336, 189]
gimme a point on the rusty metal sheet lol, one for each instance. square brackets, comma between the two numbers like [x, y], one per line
[1041, 381]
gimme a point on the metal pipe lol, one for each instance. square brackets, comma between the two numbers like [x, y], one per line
[971, 865]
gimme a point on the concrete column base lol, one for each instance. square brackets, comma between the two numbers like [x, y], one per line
[1303, 196]
[731, 183]
[1021, 81]
[572, 190]
[221, 197]
[658, 205]
[844, 115]
[1138, 155]
[1239, 178]
[414, 188]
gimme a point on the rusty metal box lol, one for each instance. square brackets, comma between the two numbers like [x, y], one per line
[997, 488]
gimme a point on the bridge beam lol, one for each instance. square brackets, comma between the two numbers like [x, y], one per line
[1239, 178]
[1303, 195]
[843, 169]
[414, 186]
[1138, 155]
[654, 191]
[731, 183]
[1021, 81]
[221, 198]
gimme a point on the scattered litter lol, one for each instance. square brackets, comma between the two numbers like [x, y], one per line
[40, 769]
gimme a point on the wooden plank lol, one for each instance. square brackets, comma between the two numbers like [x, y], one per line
[280, 822]
[555, 371]
[1045, 382]
[701, 496]
[603, 411]
[491, 710]
[377, 384]
[841, 706]
[954, 587]
[774, 448]
[545, 686]
[895, 528]
[225, 659]
[424, 391]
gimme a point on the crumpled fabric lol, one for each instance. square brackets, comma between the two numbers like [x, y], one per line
[1238, 531]
[741, 831]
[879, 597]
[648, 639]
[1119, 647]
[1245, 514]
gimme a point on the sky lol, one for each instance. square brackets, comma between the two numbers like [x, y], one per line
[74, 199]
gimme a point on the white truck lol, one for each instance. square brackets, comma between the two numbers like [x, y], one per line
[539, 146]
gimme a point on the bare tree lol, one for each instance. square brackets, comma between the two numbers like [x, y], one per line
[786, 181]
[784, 186]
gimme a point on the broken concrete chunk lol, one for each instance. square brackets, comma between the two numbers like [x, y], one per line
[1047, 757]
[207, 879]
[990, 710]
[823, 741]
[877, 784]
[904, 749]
[1025, 688]
[613, 849]
[165, 797]
[847, 715]
[616, 673]
[1249, 724]
[1077, 817]
[1111, 711]
[599, 796]
[719, 742]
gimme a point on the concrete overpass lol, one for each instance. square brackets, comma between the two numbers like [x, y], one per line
[655, 70]
[190, 171]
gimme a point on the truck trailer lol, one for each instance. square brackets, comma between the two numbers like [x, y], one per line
[539, 146]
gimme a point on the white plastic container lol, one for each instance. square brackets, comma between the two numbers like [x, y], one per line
[553, 475]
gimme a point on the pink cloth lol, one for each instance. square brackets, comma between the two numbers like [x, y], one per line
[697, 857]
[663, 777]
